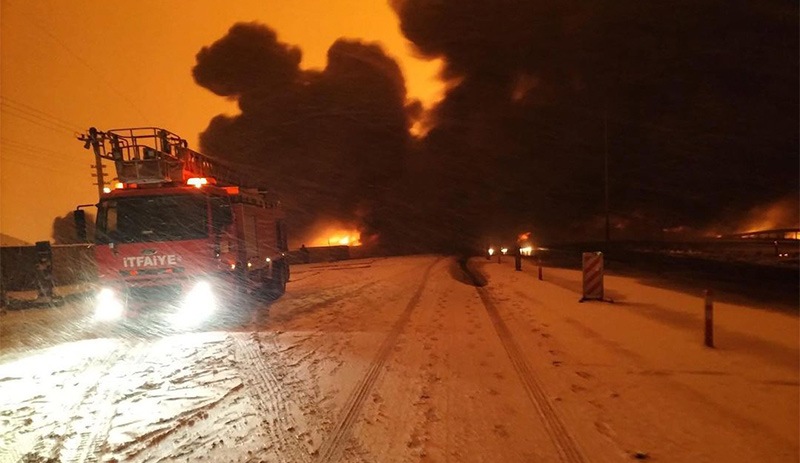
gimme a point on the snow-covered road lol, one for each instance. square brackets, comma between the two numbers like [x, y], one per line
[402, 360]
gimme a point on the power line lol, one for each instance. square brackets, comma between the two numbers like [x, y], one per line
[22, 143]
[38, 121]
[37, 147]
[44, 156]
[30, 109]
[26, 162]
[80, 59]
[30, 152]
[35, 156]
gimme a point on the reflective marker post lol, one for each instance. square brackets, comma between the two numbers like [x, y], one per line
[709, 309]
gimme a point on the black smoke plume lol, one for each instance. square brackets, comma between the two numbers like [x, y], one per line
[331, 143]
[64, 229]
[694, 102]
[697, 100]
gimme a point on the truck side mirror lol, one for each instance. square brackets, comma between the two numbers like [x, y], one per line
[80, 224]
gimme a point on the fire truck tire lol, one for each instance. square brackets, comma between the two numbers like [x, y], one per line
[276, 287]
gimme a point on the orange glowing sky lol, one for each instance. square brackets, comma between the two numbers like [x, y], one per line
[71, 64]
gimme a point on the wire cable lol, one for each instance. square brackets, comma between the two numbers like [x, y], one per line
[80, 59]
[22, 107]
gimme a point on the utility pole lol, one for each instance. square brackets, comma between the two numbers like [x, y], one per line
[91, 140]
[605, 168]
[98, 169]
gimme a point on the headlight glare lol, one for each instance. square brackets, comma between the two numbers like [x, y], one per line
[198, 304]
[107, 305]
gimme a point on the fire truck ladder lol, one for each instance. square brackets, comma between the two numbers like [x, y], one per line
[151, 155]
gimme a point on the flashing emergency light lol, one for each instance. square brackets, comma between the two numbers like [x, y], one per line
[197, 181]
[119, 186]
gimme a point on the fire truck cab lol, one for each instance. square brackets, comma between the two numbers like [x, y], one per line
[179, 230]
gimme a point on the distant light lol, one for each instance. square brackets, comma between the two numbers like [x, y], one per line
[526, 251]
[119, 185]
[249, 264]
[268, 259]
[106, 189]
[504, 250]
[491, 251]
[197, 181]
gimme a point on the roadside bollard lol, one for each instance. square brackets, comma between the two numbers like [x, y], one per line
[540, 272]
[709, 309]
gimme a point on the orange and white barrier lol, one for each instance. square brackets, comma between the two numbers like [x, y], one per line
[592, 276]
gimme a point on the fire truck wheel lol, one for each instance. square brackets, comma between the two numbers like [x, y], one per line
[275, 287]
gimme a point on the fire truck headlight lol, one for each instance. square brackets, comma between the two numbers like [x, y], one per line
[107, 306]
[199, 303]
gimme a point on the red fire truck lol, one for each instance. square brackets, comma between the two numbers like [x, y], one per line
[180, 230]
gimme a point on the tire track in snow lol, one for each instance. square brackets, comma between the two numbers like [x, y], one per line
[37, 447]
[568, 449]
[104, 402]
[331, 450]
[149, 439]
[296, 313]
[265, 389]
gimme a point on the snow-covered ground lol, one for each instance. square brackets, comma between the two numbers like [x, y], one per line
[401, 360]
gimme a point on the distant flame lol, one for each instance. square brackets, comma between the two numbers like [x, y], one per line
[345, 238]
[335, 234]
[779, 214]
[526, 246]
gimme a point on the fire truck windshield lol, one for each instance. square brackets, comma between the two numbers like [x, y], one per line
[152, 218]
